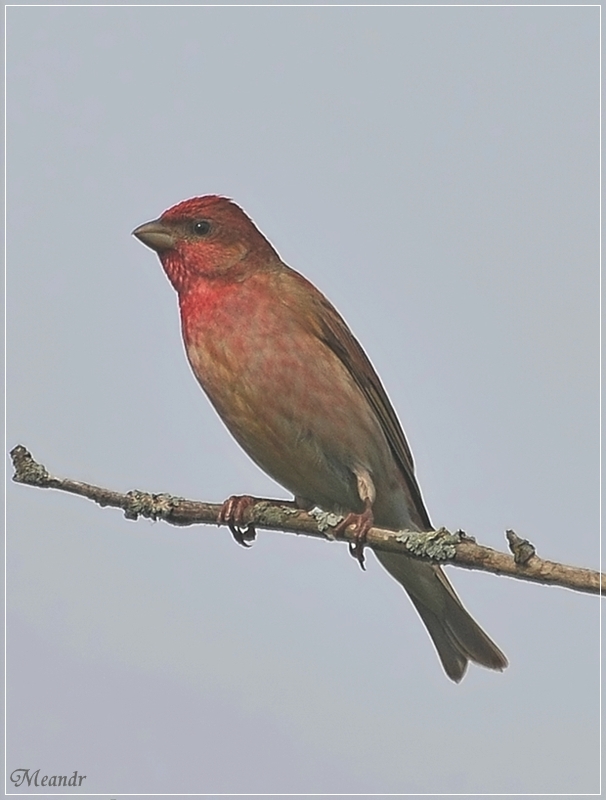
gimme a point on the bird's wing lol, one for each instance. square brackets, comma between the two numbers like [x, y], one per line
[328, 325]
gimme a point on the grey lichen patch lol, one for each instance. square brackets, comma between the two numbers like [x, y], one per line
[439, 545]
[522, 549]
[26, 469]
[325, 520]
[270, 514]
[152, 506]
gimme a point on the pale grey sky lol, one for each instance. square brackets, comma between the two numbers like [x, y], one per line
[435, 172]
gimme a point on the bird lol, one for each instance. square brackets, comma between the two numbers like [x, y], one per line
[299, 394]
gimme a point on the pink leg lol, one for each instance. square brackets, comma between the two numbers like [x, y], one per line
[232, 514]
[363, 523]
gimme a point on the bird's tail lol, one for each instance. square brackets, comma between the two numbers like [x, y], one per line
[456, 635]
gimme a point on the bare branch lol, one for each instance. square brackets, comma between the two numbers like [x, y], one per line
[440, 546]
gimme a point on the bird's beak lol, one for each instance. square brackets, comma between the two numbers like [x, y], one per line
[155, 235]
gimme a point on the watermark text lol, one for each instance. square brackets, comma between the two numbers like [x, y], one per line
[32, 777]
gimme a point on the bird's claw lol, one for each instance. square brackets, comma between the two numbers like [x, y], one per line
[356, 549]
[232, 514]
[363, 523]
[243, 535]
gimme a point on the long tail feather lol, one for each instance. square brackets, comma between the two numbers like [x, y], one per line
[457, 637]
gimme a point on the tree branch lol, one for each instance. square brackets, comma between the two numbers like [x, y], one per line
[440, 546]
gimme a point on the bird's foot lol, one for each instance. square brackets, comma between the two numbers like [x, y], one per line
[232, 514]
[363, 523]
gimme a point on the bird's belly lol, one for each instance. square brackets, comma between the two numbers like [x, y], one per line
[307, 428]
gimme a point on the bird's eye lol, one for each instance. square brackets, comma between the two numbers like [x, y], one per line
[201, 227]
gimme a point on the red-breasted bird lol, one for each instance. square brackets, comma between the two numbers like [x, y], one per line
[299, 394]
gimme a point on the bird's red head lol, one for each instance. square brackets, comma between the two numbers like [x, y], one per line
[204, 238]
